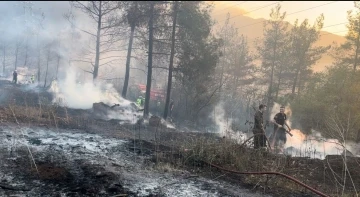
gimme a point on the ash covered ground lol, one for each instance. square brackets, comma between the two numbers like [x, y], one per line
[88, 157]
[73, 163]
[49, 150]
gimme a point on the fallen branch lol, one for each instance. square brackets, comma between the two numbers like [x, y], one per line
[119, 195]
[13, 188]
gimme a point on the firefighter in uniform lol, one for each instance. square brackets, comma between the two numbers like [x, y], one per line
[259, 130]
[278, 138]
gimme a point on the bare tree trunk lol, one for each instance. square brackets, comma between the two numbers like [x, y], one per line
[271, 77]
[295, 81]
[4, 59]
[235, 87]
[16, 55]
[57, 66]
[171, 65]
[278, 85]
[26, 50]
[38, 72]
[128, 58]
[97, 57]
[223, 65]
[150, 51]
[357, 51]
[47, 67]
[299, 83]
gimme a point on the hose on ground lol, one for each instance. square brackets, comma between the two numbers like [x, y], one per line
[274, 173]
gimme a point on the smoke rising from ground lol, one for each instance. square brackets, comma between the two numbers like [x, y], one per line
[316, 146]
[224, 125]
[300, 144]
[313, 145]
[83, 95]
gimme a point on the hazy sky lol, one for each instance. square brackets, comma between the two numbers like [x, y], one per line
[335, 12]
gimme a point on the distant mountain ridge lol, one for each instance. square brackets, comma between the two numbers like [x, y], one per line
[246, 26]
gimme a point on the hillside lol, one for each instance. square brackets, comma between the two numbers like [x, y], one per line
[256, 31]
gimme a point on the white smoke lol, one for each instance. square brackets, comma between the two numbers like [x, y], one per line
[316, 146]
[83, 95]
[69, 93]
[313, 145]
[224, 125]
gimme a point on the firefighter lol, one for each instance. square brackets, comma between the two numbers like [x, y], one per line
[15, 77]
[278, 138]
[32, 79]
[171, 107]
[259, 130]
[140, 101]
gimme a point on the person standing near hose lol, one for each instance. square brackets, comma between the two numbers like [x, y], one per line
[278, 138]
[15, 74]
[259, 130]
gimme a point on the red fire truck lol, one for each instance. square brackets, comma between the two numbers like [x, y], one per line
[155, 94]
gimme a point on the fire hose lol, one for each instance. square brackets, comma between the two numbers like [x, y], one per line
[275, 173]
[266, 138]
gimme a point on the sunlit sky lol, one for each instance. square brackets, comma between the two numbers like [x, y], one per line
[335, 12]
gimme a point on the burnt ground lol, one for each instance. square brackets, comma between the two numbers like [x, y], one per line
[158, 148]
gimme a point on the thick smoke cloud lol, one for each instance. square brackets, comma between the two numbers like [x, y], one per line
[83, 95]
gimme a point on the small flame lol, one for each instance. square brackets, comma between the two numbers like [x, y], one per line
[297, 139]
[312, 145]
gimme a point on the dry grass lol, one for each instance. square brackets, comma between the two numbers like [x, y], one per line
[230, 155]
[45, 114]
[220, 151]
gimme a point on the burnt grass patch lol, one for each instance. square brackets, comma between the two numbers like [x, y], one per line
[318, 174]
[184, 150]
[54, 175]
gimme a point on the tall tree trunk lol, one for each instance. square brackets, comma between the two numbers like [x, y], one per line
[38, 72]
[357, 51]
[234, 88]
[223, 65]
[171, 65]
[295, 81]
[57, 66]
[357, 46]
[47, 67]
[150, 51]
[16, 55]
[4, 59]
[26, 50]
[278, 85]
[97, 56]
[271, 76]
[128, 59]
[235, 76]
[299, 83]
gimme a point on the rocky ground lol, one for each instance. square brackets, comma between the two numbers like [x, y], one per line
[57, 151]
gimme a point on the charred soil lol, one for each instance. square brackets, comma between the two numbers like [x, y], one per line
[155, 146]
